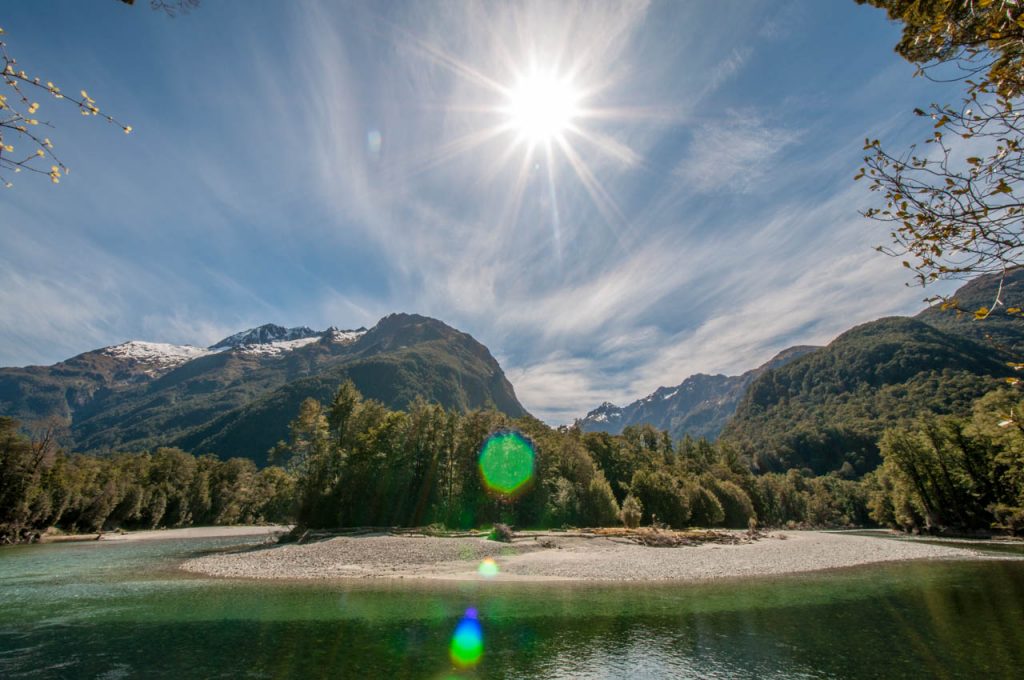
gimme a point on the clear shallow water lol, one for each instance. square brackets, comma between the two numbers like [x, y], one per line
[122, 610]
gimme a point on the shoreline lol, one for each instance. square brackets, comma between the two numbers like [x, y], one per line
[164, 534]
[570, 558]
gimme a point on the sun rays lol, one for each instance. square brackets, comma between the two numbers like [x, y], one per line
[533, 114]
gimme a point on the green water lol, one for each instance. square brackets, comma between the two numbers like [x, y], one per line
[122, 610]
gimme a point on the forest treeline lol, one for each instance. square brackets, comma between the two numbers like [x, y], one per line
[354, 462]
[956, 473]
[359, 464]
[41, 487]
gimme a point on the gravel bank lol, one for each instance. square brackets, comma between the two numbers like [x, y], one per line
[570, 558]
[196, 532]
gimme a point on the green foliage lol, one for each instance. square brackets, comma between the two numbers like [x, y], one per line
[736, 505]
[663, 497]
[949, 473]
[632, 512]
[830, 407]
[358, 463]
[705, 508]
[421, 466]
[598, 506]
[42, 487]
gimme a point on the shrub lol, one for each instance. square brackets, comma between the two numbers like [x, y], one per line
[501, 532]
[599, 502]
[632, 511]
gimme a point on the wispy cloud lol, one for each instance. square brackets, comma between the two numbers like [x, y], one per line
[731, 155]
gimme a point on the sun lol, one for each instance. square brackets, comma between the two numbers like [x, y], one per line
[541, 107]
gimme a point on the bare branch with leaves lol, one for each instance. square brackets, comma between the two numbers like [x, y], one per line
[23, 147]
[956, 204]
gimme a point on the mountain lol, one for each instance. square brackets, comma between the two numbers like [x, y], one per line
[1000, 329]
[698, 406]
[830, 407]
[267, 334]
[236, 397]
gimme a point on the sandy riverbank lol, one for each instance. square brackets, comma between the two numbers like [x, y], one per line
[193, 532]
[566, 558]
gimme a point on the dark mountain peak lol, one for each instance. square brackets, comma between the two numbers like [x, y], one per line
[265, 334]
[399, 330]
[402, 324]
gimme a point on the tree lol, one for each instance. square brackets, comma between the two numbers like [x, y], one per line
[632, 512]
[955, 206]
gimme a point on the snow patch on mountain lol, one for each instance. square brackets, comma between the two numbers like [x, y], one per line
[157, 356]
[336, 335]
[274, 348]
[265, 335]
[604, 413]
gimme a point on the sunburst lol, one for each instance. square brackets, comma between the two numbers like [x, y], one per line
[541, 107]
[544, 108]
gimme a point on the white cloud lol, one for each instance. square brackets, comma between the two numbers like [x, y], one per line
[732, 155]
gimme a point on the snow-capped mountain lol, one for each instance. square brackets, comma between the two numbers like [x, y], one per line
[153, 357]
[156, 358]
[266, 334]
[698, 406]
[236, 397]
[607, 413]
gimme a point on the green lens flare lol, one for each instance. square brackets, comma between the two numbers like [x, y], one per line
[468, 641]
[506, 462]
[488, 568]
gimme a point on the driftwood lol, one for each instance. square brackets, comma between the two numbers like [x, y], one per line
[647, 536]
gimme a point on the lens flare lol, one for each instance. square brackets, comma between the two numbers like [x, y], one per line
[468, 641]
[488, 568]
[506, 462]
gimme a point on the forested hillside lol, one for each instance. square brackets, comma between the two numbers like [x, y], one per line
[828, 409]
[236, 397]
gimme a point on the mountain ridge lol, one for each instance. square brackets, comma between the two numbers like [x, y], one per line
[699, 406]
[155, 394]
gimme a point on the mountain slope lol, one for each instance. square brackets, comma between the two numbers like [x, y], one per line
[236, 397]
[999, 330]
[698, 406]
[830, 407]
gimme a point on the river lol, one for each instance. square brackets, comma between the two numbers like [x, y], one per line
[123, 610]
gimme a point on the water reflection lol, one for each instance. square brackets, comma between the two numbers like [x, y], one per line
[75, 613]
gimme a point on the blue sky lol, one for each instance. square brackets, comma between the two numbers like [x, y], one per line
[327, 164]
